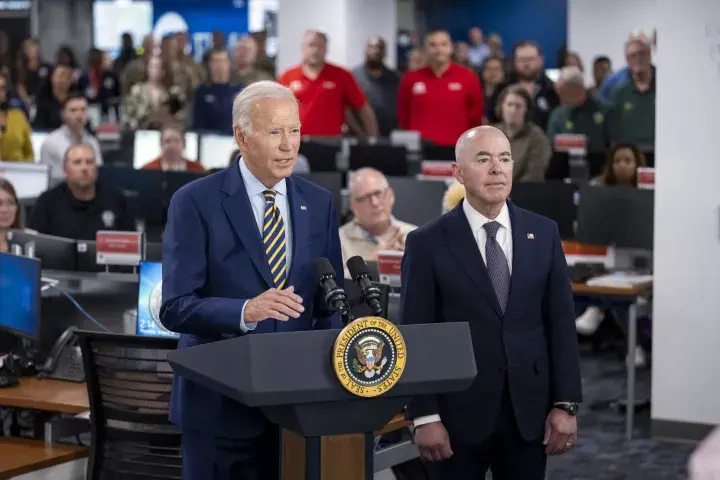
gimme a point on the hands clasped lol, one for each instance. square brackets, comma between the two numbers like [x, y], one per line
[278, 304]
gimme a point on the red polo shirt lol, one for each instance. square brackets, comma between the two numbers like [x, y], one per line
[324, 99]
[441, 107]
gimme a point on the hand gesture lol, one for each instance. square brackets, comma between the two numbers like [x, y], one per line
[278, 304]
[560, 432]
[433, 442]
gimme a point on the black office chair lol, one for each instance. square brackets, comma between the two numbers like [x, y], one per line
[438, 152]
[129, 382]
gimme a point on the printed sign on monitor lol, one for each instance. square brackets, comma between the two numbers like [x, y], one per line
[149, 301]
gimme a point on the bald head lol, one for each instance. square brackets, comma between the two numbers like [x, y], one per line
[468, 143]
[363, 177]
[571, 75]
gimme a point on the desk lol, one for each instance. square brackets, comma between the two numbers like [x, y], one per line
[45, 394]
[631, 294]
[22, 455]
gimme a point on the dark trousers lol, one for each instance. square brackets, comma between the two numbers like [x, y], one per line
[505, 453]
[206, 457]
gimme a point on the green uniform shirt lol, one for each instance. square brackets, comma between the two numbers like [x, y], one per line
[632, 115]
[588, 119]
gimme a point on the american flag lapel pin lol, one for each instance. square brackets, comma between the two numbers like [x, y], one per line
[303, 207]
[531, 236]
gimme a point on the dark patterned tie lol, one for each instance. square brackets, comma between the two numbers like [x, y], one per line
[497, 265]
[274, 239]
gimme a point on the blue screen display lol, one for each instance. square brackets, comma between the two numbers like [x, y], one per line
[149, 301]
[20, 294]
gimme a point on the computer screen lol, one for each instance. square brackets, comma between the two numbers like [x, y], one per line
[37, 139]
[147, 147]
[149, 301]
[20, 295]
[215, 150]
[29, 179]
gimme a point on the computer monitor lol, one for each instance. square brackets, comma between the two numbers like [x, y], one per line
[619, 216]
[147, 147]
[215, 150]
[417, 201]
[54, 253]
[321, 156]
[552, 199]
[438, 152]
[389, 159]
[149, 301]
[174, 181]
[20, 295]
[29, 179]
[143, 191]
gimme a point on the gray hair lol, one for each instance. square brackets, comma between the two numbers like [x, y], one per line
[246, 100]
[571, 75]
[361, 172]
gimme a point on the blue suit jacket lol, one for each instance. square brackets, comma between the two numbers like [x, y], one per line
[214, 261]
[533, 346]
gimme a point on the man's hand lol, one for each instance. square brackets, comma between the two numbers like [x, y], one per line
[433, 442]
[560, 432]
[278, 304]
[394, 240]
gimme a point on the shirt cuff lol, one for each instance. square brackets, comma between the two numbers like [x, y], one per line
[245, 328]
[426, 419]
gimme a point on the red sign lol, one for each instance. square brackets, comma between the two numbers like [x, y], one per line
[435, 168]
[646, 177]
[571, 143]
[118, 248]
[390, 267]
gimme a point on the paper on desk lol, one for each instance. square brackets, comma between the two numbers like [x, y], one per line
[620, 280]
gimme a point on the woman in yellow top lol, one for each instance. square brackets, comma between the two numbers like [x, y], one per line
[15, 143]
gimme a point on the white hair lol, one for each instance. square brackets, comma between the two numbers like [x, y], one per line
[362, 172]
[245, 101]
[571, 75]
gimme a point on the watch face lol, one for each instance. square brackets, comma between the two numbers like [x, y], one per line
[154, 302]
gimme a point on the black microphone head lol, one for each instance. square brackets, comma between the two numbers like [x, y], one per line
[323, 268]
[357, 266]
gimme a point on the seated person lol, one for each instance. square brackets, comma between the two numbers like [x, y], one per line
[172, 145]
[9, 212]
[530, 147]
[80, 206]
[373, 227]
[72, 132]
[52, 97]
[15, 143]
[623, 160]
[101, 85]
[453, 195]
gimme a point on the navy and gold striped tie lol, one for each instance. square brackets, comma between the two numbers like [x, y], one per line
[274, 240]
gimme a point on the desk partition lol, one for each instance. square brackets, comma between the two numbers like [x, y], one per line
[29, 179]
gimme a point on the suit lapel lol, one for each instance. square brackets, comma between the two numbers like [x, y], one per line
[464, 247]
[240, 213]
[299, 224]
[521, 260]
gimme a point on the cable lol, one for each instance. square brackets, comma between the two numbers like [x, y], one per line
[51, 283]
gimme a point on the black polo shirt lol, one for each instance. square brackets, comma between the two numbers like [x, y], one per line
[57, 212]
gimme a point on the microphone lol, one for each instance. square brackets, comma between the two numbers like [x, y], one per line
[335, 296]
[361, 276]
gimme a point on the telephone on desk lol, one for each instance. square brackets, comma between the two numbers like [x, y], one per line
[64, 362]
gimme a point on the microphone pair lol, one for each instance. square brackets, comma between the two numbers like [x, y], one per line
[336, 297]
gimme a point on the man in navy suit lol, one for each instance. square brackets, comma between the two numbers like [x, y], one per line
[237, 260]
[502, 269]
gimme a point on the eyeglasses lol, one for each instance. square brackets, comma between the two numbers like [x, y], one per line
[8, 203]
[378, 194]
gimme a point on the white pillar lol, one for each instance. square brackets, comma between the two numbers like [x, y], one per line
[348, 24]
[686, 313]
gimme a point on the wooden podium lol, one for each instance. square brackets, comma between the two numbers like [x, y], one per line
[343, 456]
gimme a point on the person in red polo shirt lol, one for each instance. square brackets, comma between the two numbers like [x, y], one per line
[172, 144]
[324, 91]
[443, 99]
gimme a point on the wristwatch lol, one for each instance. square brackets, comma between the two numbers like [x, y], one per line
[571, 408]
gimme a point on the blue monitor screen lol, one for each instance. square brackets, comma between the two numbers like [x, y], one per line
[20, 295]
[149, 301]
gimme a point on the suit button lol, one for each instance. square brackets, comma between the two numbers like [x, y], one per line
[501, 369]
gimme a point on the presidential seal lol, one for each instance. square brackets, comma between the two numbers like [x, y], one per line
[369, 356]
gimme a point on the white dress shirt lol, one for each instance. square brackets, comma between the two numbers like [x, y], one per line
[504, 239]
[255, 189]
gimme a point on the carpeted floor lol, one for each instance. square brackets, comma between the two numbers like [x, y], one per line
[602, 453]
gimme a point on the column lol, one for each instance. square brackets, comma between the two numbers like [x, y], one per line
[348, 24]
[686, 313]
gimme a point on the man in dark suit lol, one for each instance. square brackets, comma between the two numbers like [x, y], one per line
[237, 258]
[502, 269]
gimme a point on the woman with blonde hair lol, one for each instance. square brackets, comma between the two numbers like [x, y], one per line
[453, 195]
